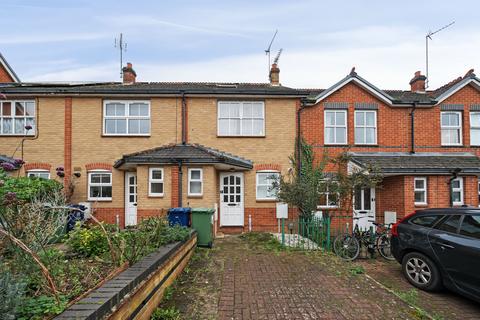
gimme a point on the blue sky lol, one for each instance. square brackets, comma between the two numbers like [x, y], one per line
[64, 40]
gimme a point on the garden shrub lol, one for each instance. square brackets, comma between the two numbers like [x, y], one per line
[171, 313]
[12, 293]
[36, 308]
[88, 241]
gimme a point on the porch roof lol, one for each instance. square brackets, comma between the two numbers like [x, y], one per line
[184, 153]
[400, 163]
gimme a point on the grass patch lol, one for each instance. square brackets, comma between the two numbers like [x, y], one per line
[171, 313]
[264, 241]
[356, 270]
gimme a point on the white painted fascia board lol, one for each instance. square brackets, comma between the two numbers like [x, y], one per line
[7, 67]
[457, 88]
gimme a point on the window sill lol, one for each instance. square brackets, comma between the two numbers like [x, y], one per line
[267, 200]
[453, 146]
[100, 200]
[421, 205]
[197, 196]
[156, 195]
[326, 207]
[366, 145]
[336, 144]
[218, 136]
[126, 135]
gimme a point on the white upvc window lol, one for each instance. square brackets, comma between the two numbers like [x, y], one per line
[155, 182]
[16, 117]
[457, 191]
[420, 190]
[126, 118]
[44, 174]
[335, 127]
[241, 118]
[475, 128]
[328, 198]
[265, 187]
[99, 185]
[451, 124]
[195, 182]
[366, 127]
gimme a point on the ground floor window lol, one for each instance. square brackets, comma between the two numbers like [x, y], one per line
[265, 187]
[457, 191]
[44, 174]
[155, 182]
[195, 182]
[328, 199]
[100, 186]
[420, 189]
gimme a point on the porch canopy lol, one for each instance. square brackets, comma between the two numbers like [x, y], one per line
[433, 163]
[184, 154]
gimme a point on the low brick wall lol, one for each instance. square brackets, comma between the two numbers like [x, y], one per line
[137, 291]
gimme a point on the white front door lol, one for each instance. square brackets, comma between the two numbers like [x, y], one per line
[231, 199]
[130, 198]
[364, 207]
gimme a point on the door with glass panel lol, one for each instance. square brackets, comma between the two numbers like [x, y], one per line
[231, 199]
[130, 198]
[364, 207]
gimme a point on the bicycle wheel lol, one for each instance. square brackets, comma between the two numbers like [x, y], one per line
[346, 247]
[384, 248]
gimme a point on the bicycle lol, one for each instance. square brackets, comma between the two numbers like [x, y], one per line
[347, 246]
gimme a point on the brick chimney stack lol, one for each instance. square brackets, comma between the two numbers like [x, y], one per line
[275, 75]
[417, 84]
[129, 75]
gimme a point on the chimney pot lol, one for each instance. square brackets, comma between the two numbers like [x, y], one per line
[129, 75]
[417, 84]
[275, 75]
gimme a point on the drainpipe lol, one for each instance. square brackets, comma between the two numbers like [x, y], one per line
[180, 184]
[299, 135]
[184, 113]
[412, 128]
[455, 173]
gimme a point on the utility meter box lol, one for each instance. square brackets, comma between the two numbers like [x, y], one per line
[282, 210]
[390, 217]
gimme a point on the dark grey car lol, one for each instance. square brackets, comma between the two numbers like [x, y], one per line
[440, 247]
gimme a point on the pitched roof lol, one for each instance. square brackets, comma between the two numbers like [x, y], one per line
[453, 86]
[6, 66]
[418, 163]
[185, 153]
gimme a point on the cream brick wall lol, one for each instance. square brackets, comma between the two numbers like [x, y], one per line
[48, 147]
[210, 192]
[275, 148]
[143, 199]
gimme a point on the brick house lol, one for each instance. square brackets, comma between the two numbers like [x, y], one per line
[135, 149]
[6, 72]
[426, 143]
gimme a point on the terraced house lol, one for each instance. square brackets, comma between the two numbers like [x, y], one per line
[135, 149]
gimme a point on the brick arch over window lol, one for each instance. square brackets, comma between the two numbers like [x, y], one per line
[37, 166]
[98, 166]
[268, 166]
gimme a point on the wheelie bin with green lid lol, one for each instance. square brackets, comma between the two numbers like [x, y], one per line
[202, 222]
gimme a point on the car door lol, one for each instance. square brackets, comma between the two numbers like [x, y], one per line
[458, 254]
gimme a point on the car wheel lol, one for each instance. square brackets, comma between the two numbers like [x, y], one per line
[421, 271]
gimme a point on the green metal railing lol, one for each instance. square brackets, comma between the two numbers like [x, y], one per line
[307, 233]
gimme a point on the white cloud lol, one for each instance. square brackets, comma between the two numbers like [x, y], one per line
[16, 39]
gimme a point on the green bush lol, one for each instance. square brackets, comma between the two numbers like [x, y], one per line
[40, 307]
[171, 313]
[12, 293]
[88, 240]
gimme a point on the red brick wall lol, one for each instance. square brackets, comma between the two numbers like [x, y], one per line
[174, 191]
[4, 76]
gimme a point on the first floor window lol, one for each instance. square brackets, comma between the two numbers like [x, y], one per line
[241, 118]
[265, 187]
[335, 127]
[328, 197]
[100, 185]
[155, 182]
[44, 174]
[17, 117]
[126, 118]
[195, 182]
[451, 125]
[457, 191]
[420, 189]
[365, 127]
[475, 128]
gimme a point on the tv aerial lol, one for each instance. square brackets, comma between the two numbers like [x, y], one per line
[122, 47]
[267, 51]
[429, 37]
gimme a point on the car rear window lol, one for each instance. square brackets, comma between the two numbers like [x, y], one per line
[426, 221]
[471, 226]
[451, 224]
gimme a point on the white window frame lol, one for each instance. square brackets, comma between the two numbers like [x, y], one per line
[257, 184]
[13, 116]
[151, 180]
[240, 118]
[424, 190]
[38, 173]
[365, 126]
[127, 117]
[460, 189]
[459, 127]
[474, 128]
[335, 126]
[195, 180]
[90, 184]
[327, 194]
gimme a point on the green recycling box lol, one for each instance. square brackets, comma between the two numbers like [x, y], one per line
[202, 222]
